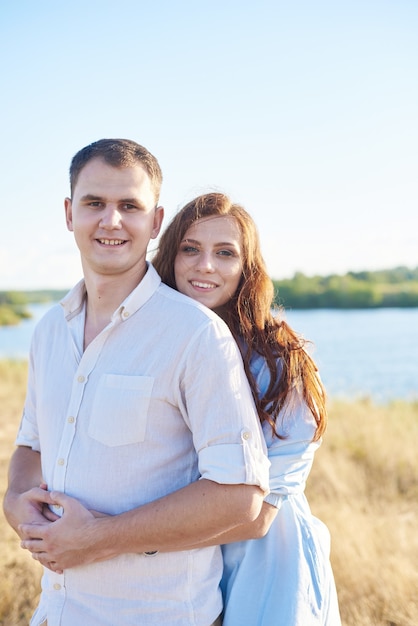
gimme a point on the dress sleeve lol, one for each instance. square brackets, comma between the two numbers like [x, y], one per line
[291, 457]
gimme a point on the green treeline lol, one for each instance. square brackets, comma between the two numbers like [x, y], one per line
[13, 304]
[355, 290]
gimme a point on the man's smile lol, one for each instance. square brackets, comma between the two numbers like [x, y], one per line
[111, 242]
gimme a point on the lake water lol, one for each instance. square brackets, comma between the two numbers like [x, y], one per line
[364, 353]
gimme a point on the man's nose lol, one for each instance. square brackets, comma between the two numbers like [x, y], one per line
[111, 218]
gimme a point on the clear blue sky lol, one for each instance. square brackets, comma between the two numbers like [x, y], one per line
[305, 111]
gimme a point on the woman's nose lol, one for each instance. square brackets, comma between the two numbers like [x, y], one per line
[205, 263]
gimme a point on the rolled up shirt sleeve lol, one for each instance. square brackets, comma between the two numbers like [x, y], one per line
[28, 434]
[239, 463]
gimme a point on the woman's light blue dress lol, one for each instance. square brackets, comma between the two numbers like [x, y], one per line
[285, 578]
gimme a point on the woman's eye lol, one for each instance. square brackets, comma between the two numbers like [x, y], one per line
[225, 253]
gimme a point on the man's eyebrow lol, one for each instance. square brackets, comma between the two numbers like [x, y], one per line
[132, 201]
[90, 197]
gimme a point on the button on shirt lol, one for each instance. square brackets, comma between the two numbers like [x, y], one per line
[157, 400]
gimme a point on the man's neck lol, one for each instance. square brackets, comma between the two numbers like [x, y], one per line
[104, 296]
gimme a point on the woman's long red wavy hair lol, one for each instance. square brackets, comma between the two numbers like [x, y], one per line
[249, 314]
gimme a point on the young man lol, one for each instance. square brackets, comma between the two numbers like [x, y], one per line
[138, 423]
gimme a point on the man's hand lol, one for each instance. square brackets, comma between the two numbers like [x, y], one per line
[70, 541]
[30, 507]
[27, 499]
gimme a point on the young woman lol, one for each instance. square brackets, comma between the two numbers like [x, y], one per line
[211, 252]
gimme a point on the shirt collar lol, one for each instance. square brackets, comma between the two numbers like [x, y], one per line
[73, 302]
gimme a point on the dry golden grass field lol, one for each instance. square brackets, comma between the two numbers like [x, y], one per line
[364, 486]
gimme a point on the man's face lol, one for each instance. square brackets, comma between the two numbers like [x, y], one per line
[113, 216]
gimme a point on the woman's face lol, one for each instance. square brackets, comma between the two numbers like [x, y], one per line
[208, 264]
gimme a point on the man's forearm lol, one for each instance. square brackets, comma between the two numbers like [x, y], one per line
[24, 474]
[199, 512]
[251, 530]
[24, 470]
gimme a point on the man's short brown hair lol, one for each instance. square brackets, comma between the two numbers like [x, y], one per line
[117, 153]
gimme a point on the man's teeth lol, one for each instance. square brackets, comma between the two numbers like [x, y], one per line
[195, 283]
[111, 242]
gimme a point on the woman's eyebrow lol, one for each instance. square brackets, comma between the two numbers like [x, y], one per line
[218, 244]
[188, 240]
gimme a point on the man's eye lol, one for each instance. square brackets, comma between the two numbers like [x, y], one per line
[129, 207]
[95, 203]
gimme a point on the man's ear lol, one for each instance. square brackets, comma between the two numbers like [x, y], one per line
[68, 213]
[158, 220]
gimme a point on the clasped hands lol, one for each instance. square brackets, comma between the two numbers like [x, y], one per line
[59, 541]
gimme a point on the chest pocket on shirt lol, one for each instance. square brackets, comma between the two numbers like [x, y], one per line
[120, 409]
